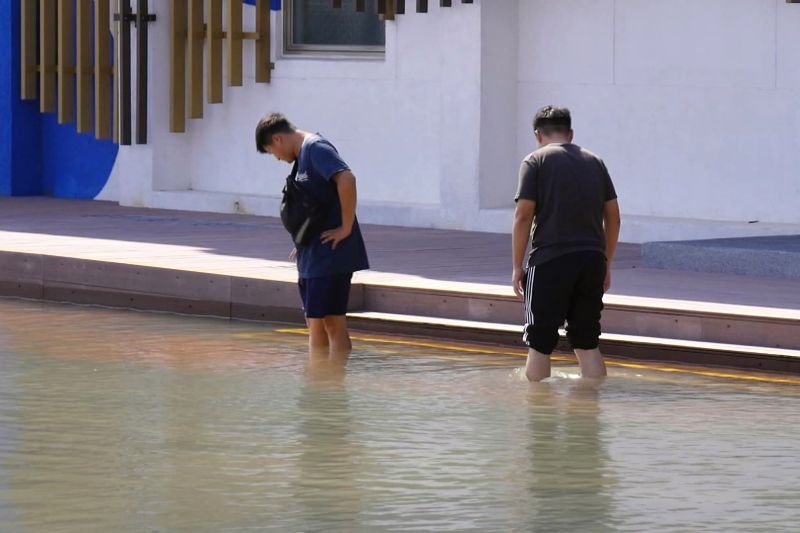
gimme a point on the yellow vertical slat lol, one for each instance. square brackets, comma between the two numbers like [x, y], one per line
[234, 36]
[214, 51]
[47, 56]
[83, 66]
[66, 61]
[262, 41]
[196, 35]
[388, 14]
[104, 123]
[115, 78]
[177, 66]
[28, 50]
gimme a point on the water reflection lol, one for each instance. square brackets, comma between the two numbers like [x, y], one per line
[568, 458]
[129, 421]
[327, 487]
[326, 368]
[133, 422]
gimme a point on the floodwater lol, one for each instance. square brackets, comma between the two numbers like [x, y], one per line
[122, 421]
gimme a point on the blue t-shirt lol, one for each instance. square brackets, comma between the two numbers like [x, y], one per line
[317, 163]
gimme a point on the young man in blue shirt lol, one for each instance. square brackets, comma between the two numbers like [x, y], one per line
[325, 265]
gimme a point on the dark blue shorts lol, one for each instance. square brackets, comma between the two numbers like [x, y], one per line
[325, 296]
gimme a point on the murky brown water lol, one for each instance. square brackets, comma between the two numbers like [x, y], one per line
[122, 421]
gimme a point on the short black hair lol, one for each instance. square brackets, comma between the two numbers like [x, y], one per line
[270, 125]
[551, 120]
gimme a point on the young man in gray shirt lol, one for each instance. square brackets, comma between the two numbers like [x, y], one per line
[567, 206]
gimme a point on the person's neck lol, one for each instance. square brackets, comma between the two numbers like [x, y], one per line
[554, 140]
[300, 137]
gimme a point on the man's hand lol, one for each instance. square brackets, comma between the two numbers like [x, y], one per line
[518, 282]
[607, 282]
[293, 255]
[335, 236]
[520, 235]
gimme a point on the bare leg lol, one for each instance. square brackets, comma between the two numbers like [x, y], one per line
[591, 362]
[338, 337]
[317, 336]
[324, 367]
[537, 367]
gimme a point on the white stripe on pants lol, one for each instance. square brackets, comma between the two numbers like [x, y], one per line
[528, 303]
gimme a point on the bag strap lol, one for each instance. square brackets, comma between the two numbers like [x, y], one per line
[293, 179]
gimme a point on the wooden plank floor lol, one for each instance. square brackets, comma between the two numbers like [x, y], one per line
[257, 247]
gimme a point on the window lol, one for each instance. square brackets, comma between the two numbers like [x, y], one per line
[316, 27]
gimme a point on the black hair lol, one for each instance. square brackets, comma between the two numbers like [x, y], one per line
[551, 120]
[270, 125]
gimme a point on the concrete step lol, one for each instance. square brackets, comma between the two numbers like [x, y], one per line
[619, 345]
[624, 315]
[120, 284]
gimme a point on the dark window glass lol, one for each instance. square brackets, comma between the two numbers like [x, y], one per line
[315, 23]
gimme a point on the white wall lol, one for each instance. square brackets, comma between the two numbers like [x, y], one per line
[406, 123]
[499, 157]
[692, 103]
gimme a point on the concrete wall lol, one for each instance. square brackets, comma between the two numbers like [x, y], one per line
[694, 104]
[406, 123]
[499, 154]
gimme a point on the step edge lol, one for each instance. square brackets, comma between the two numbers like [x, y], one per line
[608, 337]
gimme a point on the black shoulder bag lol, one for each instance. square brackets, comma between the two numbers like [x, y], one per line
[302, 214]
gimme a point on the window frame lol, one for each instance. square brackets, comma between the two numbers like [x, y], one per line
[331, 51]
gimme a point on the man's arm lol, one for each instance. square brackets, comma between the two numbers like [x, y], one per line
[611, 225]
[520, 233]
[346, 189]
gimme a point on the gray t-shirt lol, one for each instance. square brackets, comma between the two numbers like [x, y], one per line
[570, 186]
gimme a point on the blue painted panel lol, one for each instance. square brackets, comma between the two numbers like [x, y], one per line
[27, 163]
[6, 79]
[74, 166]
[20, 164]
[38, 156]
